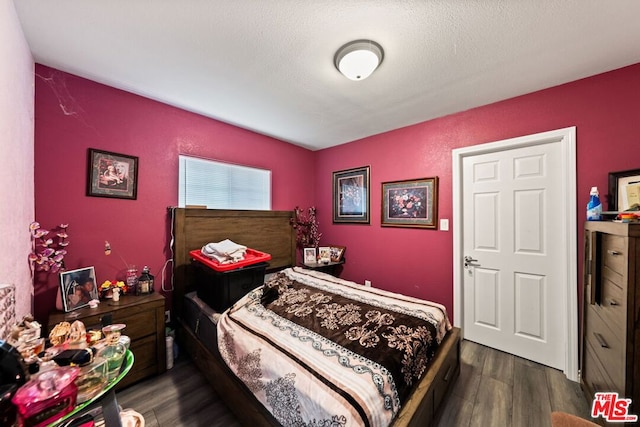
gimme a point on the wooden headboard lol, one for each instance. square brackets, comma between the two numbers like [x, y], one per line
[266, 231]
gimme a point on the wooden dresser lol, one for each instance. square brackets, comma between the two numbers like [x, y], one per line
[611, 329]
[144, 317]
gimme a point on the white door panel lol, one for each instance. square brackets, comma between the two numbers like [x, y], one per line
[529, 222]
[530, 316]
[514, 295]
[486, 219]
[486, 293]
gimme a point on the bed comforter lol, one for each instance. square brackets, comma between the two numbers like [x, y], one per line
[321, 351]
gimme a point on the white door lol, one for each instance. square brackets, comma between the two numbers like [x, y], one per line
[514, 284]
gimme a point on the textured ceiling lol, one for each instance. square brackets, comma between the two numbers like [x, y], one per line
[267, 65]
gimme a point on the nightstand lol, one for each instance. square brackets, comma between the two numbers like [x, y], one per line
[144, 317]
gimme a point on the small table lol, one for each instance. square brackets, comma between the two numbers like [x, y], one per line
[106, 398]
[331, 267]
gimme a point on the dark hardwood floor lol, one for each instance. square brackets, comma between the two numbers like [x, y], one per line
[499, 389]
[494, 389]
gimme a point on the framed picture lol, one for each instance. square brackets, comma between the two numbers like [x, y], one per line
[324, 253]
[77, 288]
[112, 175]
[337, 252]
[310, 255]
[351, 196]
[624, 190]
[410, 203]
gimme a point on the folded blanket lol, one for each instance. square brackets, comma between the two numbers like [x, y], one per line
[225, 252]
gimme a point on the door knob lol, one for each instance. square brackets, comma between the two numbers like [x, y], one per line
[468, 261]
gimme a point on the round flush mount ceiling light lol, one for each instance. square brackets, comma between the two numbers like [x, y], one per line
[358, 59]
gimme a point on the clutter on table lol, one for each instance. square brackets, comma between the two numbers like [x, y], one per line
[42, 383]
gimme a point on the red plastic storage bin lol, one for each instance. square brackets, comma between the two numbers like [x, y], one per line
[252, 256]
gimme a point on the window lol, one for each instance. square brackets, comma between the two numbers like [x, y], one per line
[218, 185]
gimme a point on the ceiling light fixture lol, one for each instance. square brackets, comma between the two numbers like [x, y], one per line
[358, 59]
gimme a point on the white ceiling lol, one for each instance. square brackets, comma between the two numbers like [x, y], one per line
[267, 65]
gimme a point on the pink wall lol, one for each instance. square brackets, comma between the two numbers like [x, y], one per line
[16, 146]
[605, 109]
[73, 114]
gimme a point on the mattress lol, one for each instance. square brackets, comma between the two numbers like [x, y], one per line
[318, 350]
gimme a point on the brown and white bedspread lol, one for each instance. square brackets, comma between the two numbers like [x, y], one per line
[321, 351]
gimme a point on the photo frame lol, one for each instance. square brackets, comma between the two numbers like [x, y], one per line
[324, 254]
[337, 253]
[624, 190]
[112, 175]
[77, 288]
[410, 203]
[351, 196]
[309, 256]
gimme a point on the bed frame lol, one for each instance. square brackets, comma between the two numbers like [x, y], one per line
[271, 232]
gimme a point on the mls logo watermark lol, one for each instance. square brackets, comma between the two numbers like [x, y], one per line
[612, 408]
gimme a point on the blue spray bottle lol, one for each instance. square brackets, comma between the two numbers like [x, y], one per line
[594, 207]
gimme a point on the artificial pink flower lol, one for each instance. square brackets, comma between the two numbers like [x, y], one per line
[48, 254]
[39, 233]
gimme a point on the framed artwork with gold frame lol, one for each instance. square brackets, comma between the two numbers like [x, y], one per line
[410, 203]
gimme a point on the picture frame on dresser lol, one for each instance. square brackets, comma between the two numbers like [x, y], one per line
[112, 175]
[337, 252]
[309, 255]
[624, 190]
[324, 254]
[77, 288]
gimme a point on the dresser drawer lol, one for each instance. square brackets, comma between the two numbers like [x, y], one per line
[607, 348]
[144, 351]
[140, 321]
[145, 361]
[613, 306]
[614, 253]
[447, 374]
[594, 375]
[139, 325]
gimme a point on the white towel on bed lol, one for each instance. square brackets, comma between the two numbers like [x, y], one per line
[224, 252]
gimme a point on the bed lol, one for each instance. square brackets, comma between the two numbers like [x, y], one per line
[271, 232]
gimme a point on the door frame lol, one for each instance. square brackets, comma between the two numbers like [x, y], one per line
[565, 213]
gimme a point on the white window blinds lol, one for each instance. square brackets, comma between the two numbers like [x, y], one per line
[218, 185]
